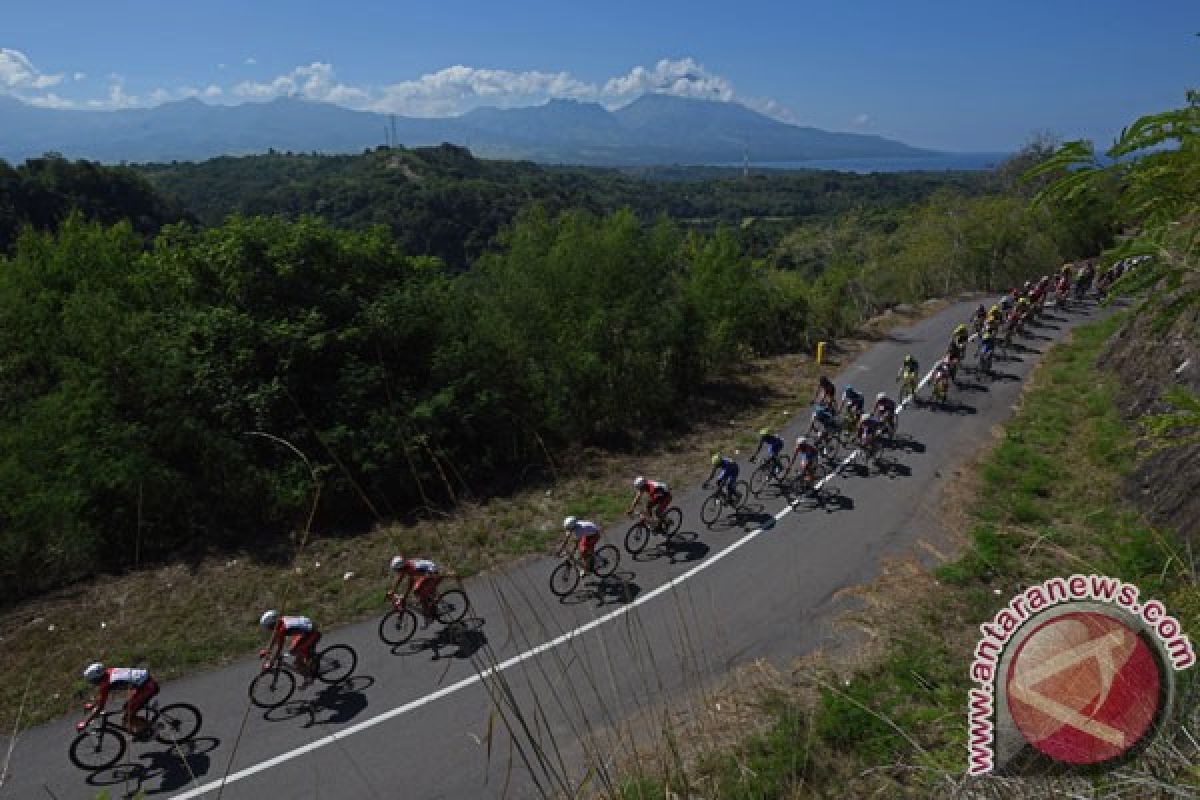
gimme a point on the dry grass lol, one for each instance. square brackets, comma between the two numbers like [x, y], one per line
[179, 618]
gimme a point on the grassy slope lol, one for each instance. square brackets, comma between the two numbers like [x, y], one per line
[1048, 504]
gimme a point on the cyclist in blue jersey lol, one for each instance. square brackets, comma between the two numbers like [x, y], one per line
[770, 441]
[726, 472]
[852, 404]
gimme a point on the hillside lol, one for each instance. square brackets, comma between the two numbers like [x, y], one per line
[655, 129]
[443, 201]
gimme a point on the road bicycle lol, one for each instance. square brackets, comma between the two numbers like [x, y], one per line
[102, 741]
[769, 471]
[908, 386]
[566, 576]
[638, 535]
[807, 481]
[721, 499]
[400, 623]
[941, 391]
[985, 360]
[276, 682]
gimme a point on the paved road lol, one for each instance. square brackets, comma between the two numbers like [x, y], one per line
[501, 709]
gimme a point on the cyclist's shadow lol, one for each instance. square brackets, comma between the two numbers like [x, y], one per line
[683, 547]
[616, 589]
[175, 767]
[344, 701]
[466, 637]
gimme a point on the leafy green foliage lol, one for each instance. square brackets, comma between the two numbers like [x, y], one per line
[42, 192]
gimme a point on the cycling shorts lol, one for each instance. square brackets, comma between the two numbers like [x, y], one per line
[143, 694]
[303, 643]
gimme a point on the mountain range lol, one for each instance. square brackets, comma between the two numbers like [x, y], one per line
[654, 129]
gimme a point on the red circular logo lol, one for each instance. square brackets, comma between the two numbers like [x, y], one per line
[1083, 688]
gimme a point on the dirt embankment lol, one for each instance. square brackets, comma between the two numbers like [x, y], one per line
[1154, 352]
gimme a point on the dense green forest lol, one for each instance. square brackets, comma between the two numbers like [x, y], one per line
[136, 372]
[443, 202]
[43, 191]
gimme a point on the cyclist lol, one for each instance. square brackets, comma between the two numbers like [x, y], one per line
[824, 419]
[852, 404]
[868, 429]
[960, 336]
[942, 375]
[978, 317]
[726, 472]
[138, 682]
[804, 457]
[587, 533]
[885, 409]
[658, 498]
[826, 392]
[987, 345]
[424, 576]
[302, 636]
[769, 440]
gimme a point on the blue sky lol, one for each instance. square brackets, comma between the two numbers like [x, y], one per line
[960, 75]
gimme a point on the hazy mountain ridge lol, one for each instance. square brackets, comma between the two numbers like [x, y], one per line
[655, 129]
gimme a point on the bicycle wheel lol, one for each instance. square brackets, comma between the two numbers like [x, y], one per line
[336, 663]
[636, 538]
[712, 508]
[760, 478]
[605, 560]
[97, 749]
[272, 688]
[177, 722]
[672, 521]
[564, 578]
[452, 606]
[397, 626]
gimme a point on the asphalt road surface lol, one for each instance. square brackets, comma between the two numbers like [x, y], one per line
[529, 696]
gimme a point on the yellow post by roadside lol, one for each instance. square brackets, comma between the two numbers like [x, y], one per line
[820, 353]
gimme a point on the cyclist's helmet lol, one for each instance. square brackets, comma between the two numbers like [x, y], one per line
[995, 308]
[94, 672]
[716, 459]
[396, 564]
[880, 396]
[268, 619]
[639, 483]
[764, 431]
[569, 523]
[801, 440]
[961, 328]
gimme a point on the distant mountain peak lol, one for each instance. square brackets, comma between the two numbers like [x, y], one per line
[656, 128]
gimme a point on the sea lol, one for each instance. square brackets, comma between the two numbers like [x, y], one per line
[939, 162]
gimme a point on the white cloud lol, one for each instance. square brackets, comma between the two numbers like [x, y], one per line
[861, 121]
[18, 72]
[50, 100]
[449, 91]
[80, 76]
[682, 77]
[459, 88]
[117, 98]
[313, 82]
[251, 61]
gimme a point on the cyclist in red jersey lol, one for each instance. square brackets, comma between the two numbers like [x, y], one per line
[658, 498]
[138, 682]
[424, 577]
[301, 635]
